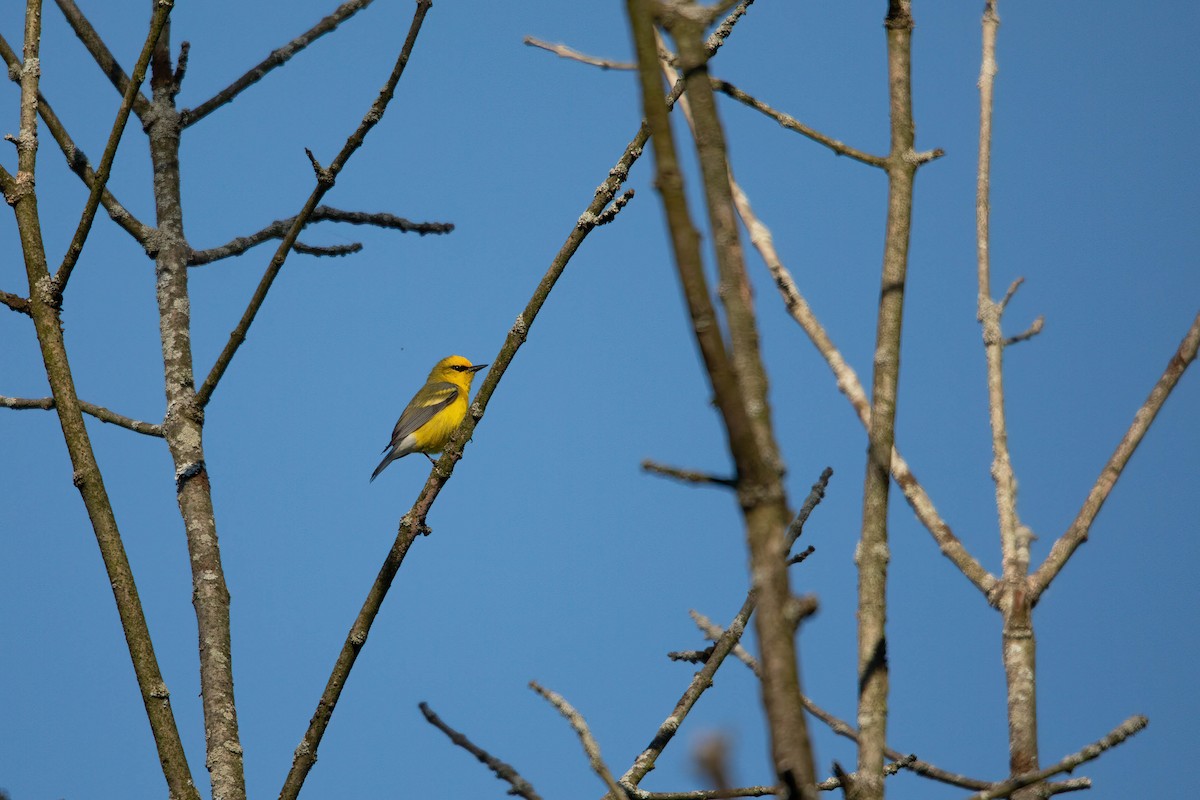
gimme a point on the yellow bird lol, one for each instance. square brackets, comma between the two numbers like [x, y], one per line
[434, 413]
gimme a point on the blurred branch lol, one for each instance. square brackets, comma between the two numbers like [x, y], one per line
[686, 475]
[1128, 728]
[158, 22]
[737, 379]
[1077, 533]
[77, 162]
[99, 412]
[872, 554]
[590, 745]
[1033, 330]
[326, 177]
[278, 57]
[503, 771]
[563, 51]
[100, 52]
[793, 124]
[281, 227]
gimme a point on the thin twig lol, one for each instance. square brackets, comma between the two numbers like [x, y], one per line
[281, 227]
[1033, 330]
[162, 11]
[793, 124]
[609, 214]
[1077, 533]
[1118, 735]
[590, 745]
[686, 475]
[816, 494]
[99, 412]
[278, 57]
[503, 771]
[563, 51]
[325, 180]
[103, 56]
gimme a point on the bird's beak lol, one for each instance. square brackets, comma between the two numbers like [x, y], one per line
[477, 367]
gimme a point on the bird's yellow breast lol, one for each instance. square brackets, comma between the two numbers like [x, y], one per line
[433, 435]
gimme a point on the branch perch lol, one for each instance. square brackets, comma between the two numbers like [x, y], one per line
[99, 412]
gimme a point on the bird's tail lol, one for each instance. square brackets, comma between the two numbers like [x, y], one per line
[389, 458]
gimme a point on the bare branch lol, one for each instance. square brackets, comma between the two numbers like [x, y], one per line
[1118, 735]
[99, 412]
[563, 51]
[686, 475]
[281, 227]
[325, 181]
[278, 57]
[1077, 533]
[590, 745]
[815, 495]
[162, 11]
[1033, 330]
[100, 52]
[503, 771]
[793, 124]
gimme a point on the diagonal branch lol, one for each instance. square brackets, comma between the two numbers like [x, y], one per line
[590, 745]
[77, 162]
[503, 771]
[278, 57]
[562, 51]
[280, 228]
[793, 124]
[1077, 533]
[162, 11]
[103, 56]
[326, 177]
[99, 412]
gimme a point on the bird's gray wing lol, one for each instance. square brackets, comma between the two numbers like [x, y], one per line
[422, 408]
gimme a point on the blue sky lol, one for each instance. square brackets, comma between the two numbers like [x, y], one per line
[553, 557]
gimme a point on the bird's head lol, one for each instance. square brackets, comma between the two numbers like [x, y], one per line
[456, 370]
